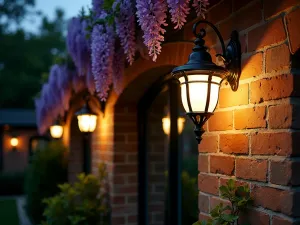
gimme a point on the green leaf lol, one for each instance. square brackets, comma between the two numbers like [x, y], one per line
[229, 217]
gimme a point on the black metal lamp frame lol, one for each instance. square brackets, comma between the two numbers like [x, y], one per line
[200, 62]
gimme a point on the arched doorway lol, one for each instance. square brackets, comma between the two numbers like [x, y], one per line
[161, 155]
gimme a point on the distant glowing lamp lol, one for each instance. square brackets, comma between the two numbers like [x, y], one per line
[166, 123]
[14, 141]
[56, 130]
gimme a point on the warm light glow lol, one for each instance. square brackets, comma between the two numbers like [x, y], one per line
[167, 123]
[198, 92]
[56, 131]
[87, 122]
[14, 142]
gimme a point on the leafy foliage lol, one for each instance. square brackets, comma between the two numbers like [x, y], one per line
[47, 169]
[82, 203]
[240, 199]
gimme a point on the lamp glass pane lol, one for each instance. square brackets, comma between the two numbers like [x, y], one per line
[214, 94]
[197, 91]
[56, 131]
[87, 122]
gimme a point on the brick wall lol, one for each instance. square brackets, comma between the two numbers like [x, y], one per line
[253, 135]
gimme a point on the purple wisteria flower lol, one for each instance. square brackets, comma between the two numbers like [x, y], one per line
[179, 9]
[78, 45]
[151, 17]
[97, 7]
[125, 29]
[200, 7]
[102, 49]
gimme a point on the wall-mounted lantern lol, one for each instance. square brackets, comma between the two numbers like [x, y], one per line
[166, 124]
[14, 141]
[200, 78]
[87, 119]
[56, 130]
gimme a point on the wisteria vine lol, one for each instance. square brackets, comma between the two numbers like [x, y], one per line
[100, 43]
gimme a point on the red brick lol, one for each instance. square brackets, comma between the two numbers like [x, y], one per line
[118, 220]
[278, 58]
[234, 143]
[272, 7]
[233, 98]
[121, 169]
[254, 216]
[272, 144]
[220, 12]
[272, 88]
[223, 181]
[252, 66]
[285, 172]
[220, 121]
[132, 219]
[252, 169]
[203, 203]
[118, 200]
[241, 20]
[276, 220]
[222, 164]
[275, 199]
[209, 143]
[250, 118]
[214, 201]
[203, 217]
[292, 21]
[203, 163]
[208, 184]
[280, 116]
[267, 34]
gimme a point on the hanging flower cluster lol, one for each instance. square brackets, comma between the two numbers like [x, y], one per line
[100, 43]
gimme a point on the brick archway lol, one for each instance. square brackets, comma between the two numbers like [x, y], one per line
[122, 132]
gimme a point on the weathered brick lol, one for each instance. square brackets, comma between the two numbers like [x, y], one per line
[278, 58]
[230, 98]
[254, 216]
[276, 220]
[234, 143]
[220, 12]
[220, 121]
[252, 66]
[292, 21]
[222, 164]
[272, 88]
[250, 118]
[208, 184]
[272, 144]
[280, 116]
[209, 143]
[285, 172]
[278, 200]
[203, 203]
[251, 169]
[203, 163]
[267, 34]
[272, 7]
[241, 20]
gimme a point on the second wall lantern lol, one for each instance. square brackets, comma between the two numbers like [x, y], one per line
[87, 119]
[200, 78]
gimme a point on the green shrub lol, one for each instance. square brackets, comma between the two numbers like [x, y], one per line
[82, 203]
[12, 183]
[47, 169]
